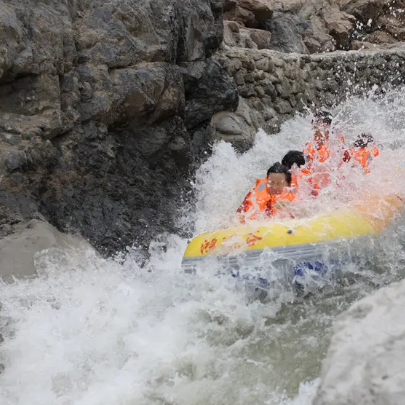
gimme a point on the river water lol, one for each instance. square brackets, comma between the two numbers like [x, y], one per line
[90, 331]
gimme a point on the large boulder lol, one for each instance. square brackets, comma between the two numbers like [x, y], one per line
[364, 364]
[19, 249]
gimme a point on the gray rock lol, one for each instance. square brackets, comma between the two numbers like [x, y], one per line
[247, 91]
[261, 38]
[259, 75]
[19, 251]
[249, 78]
[258, 105]
[13, 160]
[284, 89]
[31, 102]
[239, 79]
[226, 123]
[211, 92]
[287, 32]
[269, 114]
[265, 65]
[271, 91]
[259, 91]
[283, 107]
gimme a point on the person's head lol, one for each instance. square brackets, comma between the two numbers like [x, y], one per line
[293, 157]
[363, 140]
[278, 177]
[322, 117]
[321, 123]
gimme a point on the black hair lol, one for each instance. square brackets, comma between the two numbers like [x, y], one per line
[322, 116]
[293, 156]
[280, 168]
[363, 140]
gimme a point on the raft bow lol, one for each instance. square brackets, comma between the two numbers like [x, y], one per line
[296, 241]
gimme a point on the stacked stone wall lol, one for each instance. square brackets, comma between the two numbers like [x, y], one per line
[273, 86]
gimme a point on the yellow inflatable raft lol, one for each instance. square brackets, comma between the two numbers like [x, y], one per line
[368, 217]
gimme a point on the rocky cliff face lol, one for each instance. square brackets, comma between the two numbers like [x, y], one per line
[101, 107]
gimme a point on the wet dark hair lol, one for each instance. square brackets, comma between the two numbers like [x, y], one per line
[322, 116]
[280, 168]
[363, 140]
[293, 156]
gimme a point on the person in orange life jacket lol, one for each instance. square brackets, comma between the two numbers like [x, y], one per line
[322, 148]
[319, 149]
[294, 160]
[363, 151]
[270, 195]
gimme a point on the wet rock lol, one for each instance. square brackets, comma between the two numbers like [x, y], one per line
[140, 173]
[239, 127]
[317, 39]
[208, 91]
[226, 123]
[19, 249]
[287, 32]
[283, 107]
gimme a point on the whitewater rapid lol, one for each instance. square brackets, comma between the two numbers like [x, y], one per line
[89, 331]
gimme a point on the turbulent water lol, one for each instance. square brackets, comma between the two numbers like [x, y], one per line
[90, 331]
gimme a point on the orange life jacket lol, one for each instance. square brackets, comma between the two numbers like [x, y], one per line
[288, 194]
[259, 197]
[304, 174]
[364, 156]
[320, 153]
[260, 201]
[314, 152]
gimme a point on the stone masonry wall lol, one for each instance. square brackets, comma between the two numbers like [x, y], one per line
[274, 86]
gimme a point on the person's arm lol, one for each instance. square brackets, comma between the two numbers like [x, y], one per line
[243, 208]
[245, 204]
